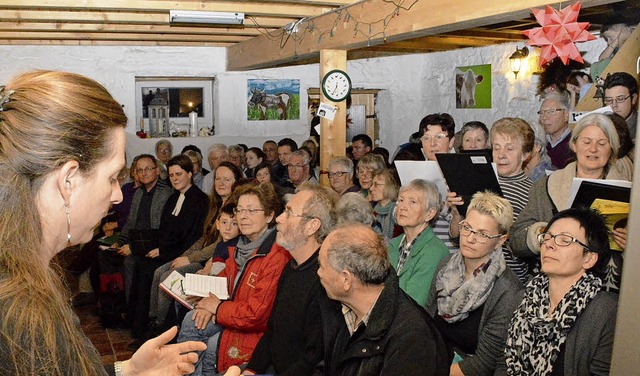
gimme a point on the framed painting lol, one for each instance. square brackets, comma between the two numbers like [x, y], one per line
[273, 99]
[473, 86]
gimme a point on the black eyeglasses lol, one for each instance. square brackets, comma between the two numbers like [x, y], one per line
[618, 100]
[146, 169]
[481, 237]
[562, 240]
[338, 174]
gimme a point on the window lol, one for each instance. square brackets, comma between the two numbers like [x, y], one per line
[182, 94]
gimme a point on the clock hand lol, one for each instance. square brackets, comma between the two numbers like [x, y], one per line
[335, 89]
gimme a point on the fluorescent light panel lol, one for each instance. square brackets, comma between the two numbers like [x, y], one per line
[224, 18]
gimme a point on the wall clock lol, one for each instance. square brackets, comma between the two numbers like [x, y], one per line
[336, 85]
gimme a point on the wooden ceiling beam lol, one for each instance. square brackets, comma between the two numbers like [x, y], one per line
[123, 28]
[297, 10]
[444, 16]
[131, 37]
[54, 42]
[122, 17]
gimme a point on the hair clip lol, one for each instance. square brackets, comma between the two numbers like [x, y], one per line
[4, 97]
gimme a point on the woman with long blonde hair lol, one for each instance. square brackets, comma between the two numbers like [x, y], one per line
[61, 149]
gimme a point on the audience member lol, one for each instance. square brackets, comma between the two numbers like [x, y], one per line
[384, 192]
[474, 293]
[233, 327]
[474, 135]
[539, 163]
[370, 324]
[554, 118]
[205, 172]
[621, 93]
[627, 147]
[361, 145]
[181, 225]
[615, 31]
[566, 322]
[384, 153]
[270, 149]
[236, 156]
[196, 160]
[253, 157]
[216, 154]
[596, 144]
[299, 171]
[578, 84]
[279, 172]
[263, 173]
[341, 175]
[164, 152]
[352, 207]
[292, 344]
[368, 165]
[416, 253]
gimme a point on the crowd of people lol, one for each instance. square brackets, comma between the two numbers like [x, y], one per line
[363, 276]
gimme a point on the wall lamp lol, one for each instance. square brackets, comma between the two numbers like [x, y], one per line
[517, 58]
[220, 18]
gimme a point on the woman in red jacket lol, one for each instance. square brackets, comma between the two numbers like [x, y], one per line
[234, 327]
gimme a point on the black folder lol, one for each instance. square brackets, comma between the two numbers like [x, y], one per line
[467, 174]
[143, 241]
[589, 191]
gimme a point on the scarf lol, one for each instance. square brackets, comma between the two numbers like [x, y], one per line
[534, 339]
[457, 296]
[245, 247]
[178, 207]
[384, 216]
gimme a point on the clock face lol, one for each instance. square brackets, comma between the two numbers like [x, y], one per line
[336, 85]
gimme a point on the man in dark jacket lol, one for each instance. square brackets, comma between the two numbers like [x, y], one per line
[372, 327]
[293, 343]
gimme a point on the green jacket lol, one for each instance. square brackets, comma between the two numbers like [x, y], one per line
[418, 270]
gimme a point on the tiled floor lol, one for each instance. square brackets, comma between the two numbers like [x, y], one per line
[111, 343]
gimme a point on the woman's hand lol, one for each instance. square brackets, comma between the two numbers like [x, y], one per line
[210, 303]
[154, 253]
[155, 357]
[620, 237]
[201, 317]
[235, 371]
[207, 268]
[453, 201]
[180, 262]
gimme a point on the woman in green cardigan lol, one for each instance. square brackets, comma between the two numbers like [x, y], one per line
[416, 254]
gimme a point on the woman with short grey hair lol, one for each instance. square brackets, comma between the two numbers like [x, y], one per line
[416, 254]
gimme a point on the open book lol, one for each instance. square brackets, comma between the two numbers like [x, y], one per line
[181, 287]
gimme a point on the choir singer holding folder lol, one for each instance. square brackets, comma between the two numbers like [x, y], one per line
[512, 141]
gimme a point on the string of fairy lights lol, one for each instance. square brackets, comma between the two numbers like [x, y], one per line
[307, 27]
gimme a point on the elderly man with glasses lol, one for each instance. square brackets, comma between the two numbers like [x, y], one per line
[299, 171]
[554, 118]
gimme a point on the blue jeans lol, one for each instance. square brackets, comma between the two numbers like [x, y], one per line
[207, 360]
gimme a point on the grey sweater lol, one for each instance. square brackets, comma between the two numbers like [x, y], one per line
[547, 196]
[160, 196]
[498, 309]
[590, 341]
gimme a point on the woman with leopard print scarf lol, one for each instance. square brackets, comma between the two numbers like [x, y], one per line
[565, 323]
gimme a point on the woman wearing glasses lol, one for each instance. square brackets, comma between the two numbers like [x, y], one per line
[252, 271]
[565, 323]
[474, 293]
[596, 144]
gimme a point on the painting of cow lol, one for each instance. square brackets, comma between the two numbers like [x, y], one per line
[273, 99]
[473, 86]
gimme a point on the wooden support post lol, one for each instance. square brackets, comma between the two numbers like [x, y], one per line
[333, 134]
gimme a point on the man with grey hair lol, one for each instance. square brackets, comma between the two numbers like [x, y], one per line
[554, 118]
[299, 171]
[353, 207]
[539, 162]
[372, 327]
[164, 152]
[216, 154]
[292, 345]
[341, 175]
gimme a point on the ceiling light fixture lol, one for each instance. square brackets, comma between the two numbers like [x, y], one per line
[222, 18]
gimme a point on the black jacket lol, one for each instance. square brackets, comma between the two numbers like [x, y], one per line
[400, 339]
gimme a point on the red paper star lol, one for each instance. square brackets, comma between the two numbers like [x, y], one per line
[559, 33]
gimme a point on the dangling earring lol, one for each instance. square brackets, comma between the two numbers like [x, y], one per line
[66, 209]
